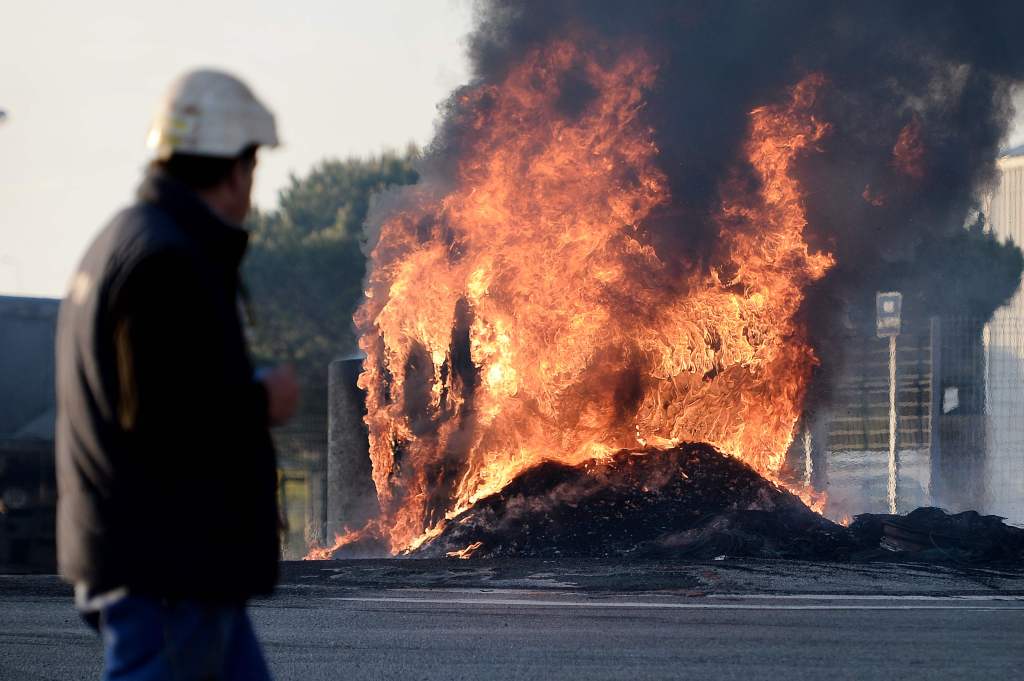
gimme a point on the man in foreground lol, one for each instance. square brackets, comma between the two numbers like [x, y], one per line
[167, 513]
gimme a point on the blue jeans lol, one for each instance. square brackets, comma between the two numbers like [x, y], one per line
[146, 639]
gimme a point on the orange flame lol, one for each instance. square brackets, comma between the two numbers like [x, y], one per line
[908, 152]
[340, 541]
[466, 553]
[522, 314]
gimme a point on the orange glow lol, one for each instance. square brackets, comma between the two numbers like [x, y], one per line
[908, 152]
[876, 199]
[522, 314]
[341, 540]
[466, 553]
[324, 553]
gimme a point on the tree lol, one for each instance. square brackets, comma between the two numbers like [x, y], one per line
[305, 268]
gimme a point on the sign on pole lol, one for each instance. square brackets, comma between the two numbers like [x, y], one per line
[888, 307]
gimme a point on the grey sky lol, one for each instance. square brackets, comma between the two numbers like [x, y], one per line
[80, 80]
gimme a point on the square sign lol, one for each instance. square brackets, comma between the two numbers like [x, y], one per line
[887, 306]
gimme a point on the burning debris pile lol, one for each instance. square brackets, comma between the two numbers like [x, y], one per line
[640, 225]
[689, 501]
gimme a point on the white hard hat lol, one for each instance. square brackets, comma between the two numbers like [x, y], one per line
[210, 113]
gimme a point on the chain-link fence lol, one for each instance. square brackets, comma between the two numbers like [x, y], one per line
[959, 413]
[1004, 406]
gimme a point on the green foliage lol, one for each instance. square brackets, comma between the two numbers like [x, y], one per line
[305, 267]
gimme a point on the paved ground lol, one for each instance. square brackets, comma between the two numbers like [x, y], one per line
[467, 620]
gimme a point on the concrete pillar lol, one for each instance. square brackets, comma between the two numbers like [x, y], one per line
[351, 497]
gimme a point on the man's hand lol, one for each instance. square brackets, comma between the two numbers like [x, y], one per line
[282, 393]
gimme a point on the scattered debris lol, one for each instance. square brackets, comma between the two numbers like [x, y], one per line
[694, 502]
[931, 534]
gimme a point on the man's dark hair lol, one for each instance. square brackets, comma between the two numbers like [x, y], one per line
[203, 172]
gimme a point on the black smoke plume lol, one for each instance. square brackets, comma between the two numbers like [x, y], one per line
[918, 97]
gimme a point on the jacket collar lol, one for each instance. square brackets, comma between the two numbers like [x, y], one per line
[225, 242]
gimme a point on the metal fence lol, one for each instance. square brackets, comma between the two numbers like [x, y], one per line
[1004, 407]
[959, 406]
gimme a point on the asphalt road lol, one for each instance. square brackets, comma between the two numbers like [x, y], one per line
[372, 621]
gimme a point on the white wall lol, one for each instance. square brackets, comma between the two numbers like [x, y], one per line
[1004, 339]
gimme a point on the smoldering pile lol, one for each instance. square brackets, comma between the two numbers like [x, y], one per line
[692, 502]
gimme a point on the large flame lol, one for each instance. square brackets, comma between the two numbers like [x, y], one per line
[523, 313]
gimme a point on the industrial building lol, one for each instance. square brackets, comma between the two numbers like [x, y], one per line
[1004, 353]
[27, 416]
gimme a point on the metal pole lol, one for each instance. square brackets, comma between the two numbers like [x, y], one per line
[937, 488]
[893, 461]
[808, 456]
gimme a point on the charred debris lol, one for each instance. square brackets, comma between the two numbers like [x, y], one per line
[692, 502]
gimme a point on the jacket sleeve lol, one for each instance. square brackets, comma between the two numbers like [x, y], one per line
[184, 376]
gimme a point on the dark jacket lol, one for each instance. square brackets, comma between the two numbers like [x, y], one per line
[165, 469]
